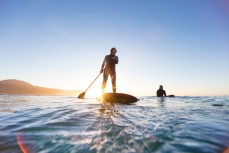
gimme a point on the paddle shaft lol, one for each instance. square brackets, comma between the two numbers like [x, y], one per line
[92, 82]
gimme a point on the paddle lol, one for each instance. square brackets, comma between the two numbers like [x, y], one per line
[83, 93]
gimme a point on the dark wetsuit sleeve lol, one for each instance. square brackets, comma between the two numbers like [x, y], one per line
[116, 59]
[104, 62]
[106, 57]
[164, 93]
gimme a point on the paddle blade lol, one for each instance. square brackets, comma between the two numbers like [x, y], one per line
[81, 96]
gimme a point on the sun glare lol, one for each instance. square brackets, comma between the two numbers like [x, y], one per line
[96, 90]
[94, 93]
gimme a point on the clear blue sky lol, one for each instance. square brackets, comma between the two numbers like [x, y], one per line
[183, 45]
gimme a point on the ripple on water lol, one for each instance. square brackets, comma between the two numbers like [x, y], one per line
[65, 124]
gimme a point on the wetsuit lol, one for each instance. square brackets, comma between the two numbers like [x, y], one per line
[110, 70]
[161, 92]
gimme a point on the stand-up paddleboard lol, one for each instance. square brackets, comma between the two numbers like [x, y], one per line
[120, 98]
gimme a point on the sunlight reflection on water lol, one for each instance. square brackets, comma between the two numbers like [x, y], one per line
[68, 124]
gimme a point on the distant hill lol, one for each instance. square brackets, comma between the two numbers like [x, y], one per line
[13, 86]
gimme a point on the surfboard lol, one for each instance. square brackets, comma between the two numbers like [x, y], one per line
[171, 96]
[120, 98]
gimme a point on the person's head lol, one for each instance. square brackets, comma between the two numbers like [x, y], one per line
[113, 51]
[161, 87]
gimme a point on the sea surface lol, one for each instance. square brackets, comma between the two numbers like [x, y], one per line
[58, 124]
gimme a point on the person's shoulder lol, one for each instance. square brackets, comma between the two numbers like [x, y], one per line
[106, 56]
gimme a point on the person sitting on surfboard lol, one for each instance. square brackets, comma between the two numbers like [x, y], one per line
[108, 68]
[161, 92]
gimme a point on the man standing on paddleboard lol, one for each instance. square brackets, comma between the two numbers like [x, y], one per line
[108, 68]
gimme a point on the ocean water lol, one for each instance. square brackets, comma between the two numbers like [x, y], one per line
[58, 124]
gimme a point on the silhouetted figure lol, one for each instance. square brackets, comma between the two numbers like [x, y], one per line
[161, 92]
[108, 68]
